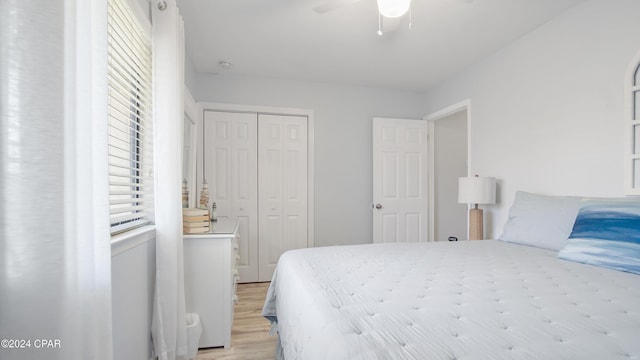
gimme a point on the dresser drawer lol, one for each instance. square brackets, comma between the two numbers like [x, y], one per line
[210, 263]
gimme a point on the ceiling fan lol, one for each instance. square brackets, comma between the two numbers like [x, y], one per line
[386, 8]
[389, 9]
[383, 5]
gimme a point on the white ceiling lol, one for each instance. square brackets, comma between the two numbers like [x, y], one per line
[287, 39]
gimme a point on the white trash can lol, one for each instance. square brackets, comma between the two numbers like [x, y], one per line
[194, 330]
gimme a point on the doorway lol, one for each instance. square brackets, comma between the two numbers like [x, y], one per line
[449, 160]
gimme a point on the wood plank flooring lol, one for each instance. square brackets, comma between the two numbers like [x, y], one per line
[250, 338]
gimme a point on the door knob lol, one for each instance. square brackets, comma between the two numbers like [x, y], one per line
[378, 206]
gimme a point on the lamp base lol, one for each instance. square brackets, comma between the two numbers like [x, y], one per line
[476, 230]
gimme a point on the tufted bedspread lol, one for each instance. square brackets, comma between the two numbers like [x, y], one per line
[451, 300]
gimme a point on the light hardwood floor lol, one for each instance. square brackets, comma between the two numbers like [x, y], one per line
[250, 338]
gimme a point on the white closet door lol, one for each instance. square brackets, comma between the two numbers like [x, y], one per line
[231, 163]
[282, 189]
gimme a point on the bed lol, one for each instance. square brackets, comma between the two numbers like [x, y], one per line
[490, 299]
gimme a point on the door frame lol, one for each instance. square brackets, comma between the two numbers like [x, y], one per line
[212, 106]
[191, 112]
[431, 119]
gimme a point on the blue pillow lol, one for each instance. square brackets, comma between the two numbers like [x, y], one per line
[606, 233]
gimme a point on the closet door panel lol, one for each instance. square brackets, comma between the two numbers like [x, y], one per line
[272, 177]
[296, 192]
[270, 173]
[219, 180]
[230, 159]
[282, 190]
[243, 190]
[271, 240]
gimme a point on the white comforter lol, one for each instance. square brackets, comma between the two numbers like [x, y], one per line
[451, 300]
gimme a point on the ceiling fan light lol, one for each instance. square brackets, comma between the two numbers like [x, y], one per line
[393, 8]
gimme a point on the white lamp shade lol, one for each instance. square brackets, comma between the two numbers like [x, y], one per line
[393, 8]
[477, 190]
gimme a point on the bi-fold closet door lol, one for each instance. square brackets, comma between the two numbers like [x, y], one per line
[256, 168]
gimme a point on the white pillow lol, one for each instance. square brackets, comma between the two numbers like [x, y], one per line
[541, 221]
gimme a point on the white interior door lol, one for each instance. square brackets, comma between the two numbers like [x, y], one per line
[230, 167]
[282, 191]
[400, 183]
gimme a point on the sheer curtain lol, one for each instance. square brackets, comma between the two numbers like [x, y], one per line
[169, 325]
[55, 254]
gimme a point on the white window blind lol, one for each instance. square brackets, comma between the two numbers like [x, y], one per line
[130, 119]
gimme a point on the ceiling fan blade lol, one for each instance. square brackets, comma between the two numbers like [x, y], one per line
[332, 5]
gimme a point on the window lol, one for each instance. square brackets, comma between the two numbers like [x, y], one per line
[130, 119]
[632, 128]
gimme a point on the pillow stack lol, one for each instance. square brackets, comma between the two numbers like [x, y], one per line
[600, 232]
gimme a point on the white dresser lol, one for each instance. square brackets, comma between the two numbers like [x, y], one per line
[211, 276]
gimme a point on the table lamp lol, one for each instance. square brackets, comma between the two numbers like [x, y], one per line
[476, 190]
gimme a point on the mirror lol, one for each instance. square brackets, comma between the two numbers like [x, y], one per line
[189, 147]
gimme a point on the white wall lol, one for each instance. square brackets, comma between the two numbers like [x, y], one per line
[547, 111]
[190, 74]
[343, 162]
[133, 278]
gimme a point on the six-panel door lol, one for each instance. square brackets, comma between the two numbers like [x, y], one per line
[400, 185]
